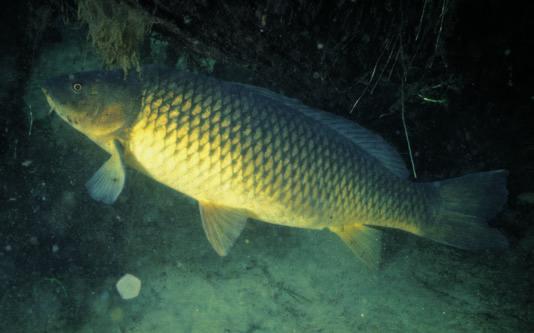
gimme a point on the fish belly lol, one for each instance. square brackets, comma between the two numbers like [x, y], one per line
[209, 174]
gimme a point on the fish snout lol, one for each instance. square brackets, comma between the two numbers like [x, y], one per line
[49, 100]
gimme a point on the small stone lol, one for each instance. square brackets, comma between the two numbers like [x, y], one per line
[128, 286]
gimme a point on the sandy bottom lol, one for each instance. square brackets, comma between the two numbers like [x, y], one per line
[279, 279]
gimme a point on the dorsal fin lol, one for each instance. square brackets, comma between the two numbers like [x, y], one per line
[366, 139]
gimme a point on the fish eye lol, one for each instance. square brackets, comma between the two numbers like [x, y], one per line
[76, 87]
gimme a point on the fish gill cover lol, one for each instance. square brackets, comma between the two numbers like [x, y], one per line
[452, 78]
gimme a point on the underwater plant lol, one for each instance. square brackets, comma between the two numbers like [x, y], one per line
[116, 29]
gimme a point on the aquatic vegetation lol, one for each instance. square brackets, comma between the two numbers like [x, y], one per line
[116, 29]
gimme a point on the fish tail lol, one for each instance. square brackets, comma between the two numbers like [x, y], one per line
[463, 206]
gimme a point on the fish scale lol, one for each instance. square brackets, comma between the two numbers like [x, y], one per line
[244, 151]
[241, 146]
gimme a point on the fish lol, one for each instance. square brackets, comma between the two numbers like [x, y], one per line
[245, 152]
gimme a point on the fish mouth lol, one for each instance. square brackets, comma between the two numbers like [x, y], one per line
[73, 121]
[59, 110]
[50, 101]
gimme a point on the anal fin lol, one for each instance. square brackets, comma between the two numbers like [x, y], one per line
[222, 225]
[365, 242]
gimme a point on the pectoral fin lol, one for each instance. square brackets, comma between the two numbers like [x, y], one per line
[107, 183]
[222, 226]
[365, 242]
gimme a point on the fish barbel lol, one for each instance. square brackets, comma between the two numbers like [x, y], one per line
[246, 152]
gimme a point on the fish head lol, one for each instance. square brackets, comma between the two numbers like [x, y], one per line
[98, 103]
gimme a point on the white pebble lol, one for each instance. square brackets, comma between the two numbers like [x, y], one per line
[128, 286]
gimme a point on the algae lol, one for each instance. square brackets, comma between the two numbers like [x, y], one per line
[117, 29]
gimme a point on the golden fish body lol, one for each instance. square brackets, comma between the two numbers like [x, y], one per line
[229, 145]
[244, 151]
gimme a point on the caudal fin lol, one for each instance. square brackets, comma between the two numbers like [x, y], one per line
[464, 205]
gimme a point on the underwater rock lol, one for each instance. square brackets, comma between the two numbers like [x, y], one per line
[128, 286]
